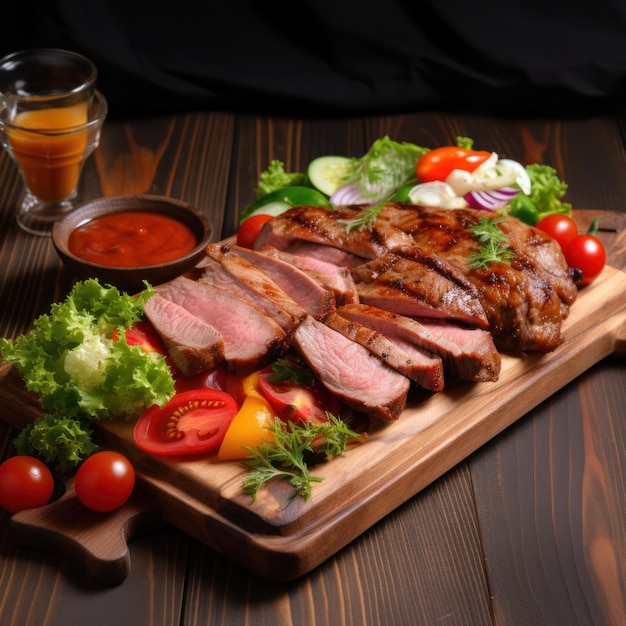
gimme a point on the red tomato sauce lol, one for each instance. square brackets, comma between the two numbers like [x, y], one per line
[131, 239]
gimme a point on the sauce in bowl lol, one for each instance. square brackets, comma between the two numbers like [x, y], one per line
[131, 239]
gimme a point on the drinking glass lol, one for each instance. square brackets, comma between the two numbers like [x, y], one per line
[51, 116]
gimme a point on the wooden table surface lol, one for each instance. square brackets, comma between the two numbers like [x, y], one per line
[530, 529]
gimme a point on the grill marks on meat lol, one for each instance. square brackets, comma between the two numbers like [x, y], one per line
[314, 298]
[524, 302]
[251, 340]
[351, 372]
[332, 277]
[420, 366]
[467, 353]
[255, 278]
[192, 344]
[412, 287]
[215, 275]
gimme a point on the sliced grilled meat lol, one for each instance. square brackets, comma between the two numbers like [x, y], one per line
[468, 354]
[525, 301]
[215, 275]
[251, 340]
[420, 366]
[332, 277]
[315, 299]
[417, 289]
[255, 278]
[350, 371]
[192, 344]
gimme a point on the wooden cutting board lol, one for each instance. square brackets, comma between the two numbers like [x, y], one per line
[282, 539]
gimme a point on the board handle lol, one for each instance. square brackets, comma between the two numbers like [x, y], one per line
[96, 542]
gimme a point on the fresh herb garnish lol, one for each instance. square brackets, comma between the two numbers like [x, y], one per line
[285, 456]
[494, 244]
[292, 370]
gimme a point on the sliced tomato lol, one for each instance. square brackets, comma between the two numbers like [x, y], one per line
[192, 422]
[439, 162]
[296, 403]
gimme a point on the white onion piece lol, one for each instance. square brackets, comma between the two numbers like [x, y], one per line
[493, 174]
[436, 194]
[350, 194]
[490, 200]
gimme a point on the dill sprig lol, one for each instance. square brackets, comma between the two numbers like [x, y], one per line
[284, 457]
[494, 244]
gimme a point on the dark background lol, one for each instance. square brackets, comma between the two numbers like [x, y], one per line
[322, 58]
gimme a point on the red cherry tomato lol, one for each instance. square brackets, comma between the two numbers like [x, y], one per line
[586, 253]
[192, 422]
[104, 481]
[296, 403]
[25, 483]
[439, 162]
[560, 227]
[250, 229]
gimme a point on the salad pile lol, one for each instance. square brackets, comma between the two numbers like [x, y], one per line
[450, 177]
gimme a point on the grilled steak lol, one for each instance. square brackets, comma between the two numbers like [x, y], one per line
[525, 301]
[352, 373]
[420, 366]
[298, 285]
[192, 344]
[467, 353]
[411, 287]
[255, 278]
[215, 275]
[251, 340]
[330, 276]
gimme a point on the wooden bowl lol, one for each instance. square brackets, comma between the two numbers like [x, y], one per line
[131, 279]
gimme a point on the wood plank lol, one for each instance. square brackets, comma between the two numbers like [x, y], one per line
[555, 538]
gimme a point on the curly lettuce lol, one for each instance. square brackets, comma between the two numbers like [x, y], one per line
[81, 374]
[275, 177]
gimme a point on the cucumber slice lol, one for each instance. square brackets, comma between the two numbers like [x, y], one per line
[328, 173]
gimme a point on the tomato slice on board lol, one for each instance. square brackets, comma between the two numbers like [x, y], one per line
[192, 422]
[296, 403]
[437, 164]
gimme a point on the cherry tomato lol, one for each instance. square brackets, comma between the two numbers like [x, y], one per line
[104, 481]
[25, 483]
[192, 422]
[439, 162]
[250, 229]
[560, 227]
[296, 403]
[586, 253]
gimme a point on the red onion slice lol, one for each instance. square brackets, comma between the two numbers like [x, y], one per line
[490, 200]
